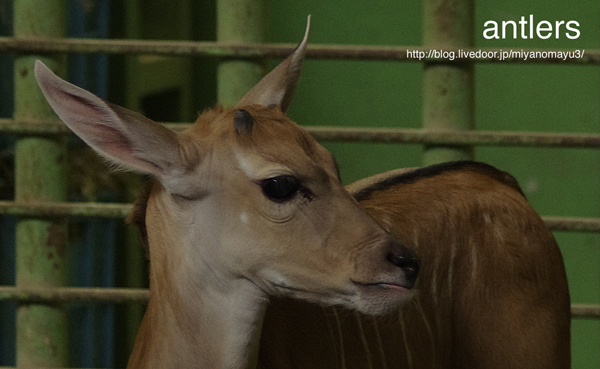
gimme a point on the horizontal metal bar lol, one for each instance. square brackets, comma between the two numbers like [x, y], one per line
[281, 50]
[439, 137]
[123, 295]
[64, 209]
[35, 367]
[112, 210]
[572, 224]
[74, 294]
[376, 135]
[585, 311]
[30, 127]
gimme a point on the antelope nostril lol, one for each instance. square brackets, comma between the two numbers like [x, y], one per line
[407, 261]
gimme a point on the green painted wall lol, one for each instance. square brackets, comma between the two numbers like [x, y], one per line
[508, 97]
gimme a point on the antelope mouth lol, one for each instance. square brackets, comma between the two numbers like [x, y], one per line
[381, 297]
[391, 286]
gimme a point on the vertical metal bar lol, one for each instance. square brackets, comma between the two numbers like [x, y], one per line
[40, 175]
[447, 89]
[239, 21]
[108, 247]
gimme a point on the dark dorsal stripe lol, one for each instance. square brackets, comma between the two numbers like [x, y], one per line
[435, 170]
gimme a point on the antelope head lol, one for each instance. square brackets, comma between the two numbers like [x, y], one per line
[245, 194]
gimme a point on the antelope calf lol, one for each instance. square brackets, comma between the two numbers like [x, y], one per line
[247, 205]
[491, 294]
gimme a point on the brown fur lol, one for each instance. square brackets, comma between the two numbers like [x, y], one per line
[267, 132]
[492, 289]
[508, 309]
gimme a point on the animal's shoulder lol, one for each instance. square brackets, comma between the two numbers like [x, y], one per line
[439, 170]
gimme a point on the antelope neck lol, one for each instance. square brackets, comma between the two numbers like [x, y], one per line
[196, 317]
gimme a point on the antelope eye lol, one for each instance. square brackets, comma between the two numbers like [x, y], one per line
[281, 188]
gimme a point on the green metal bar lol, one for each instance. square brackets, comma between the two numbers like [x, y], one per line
[75, 294]
[315, 51]
[455, 138]
[447, 88]
[64, 209]
[375, 135]
[11, 367]
[239, 21]
[572, 224]
[33, 126]
[57, 209]
[40, 175]
[142, 295]
[585, 311]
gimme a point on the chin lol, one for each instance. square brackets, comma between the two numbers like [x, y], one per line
[380, 299]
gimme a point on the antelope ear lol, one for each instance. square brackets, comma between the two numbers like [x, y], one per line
[277, 87]
[123, 136]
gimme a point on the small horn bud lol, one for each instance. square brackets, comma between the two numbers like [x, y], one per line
[242, 122]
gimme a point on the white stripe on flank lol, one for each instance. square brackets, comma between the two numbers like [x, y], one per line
[332, 333]
[364, 339]
[405, 339]
[434, 292]
[380, 344]
[451, 266]
[427, 326]
[473, 253]
[339, 325]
